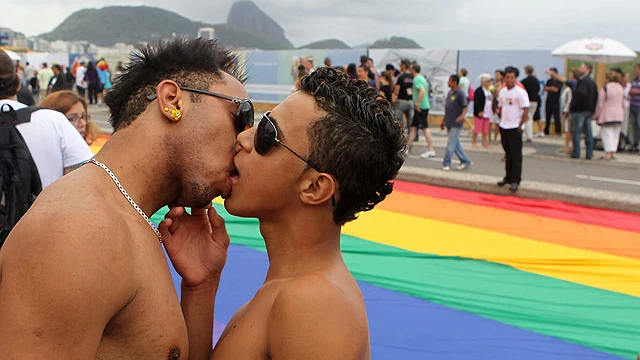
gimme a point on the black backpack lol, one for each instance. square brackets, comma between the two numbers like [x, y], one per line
[19, 178]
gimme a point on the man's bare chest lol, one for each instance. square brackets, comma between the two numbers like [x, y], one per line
[151, 325]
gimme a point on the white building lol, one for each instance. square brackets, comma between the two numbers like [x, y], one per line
[12, 38]
[207, 33]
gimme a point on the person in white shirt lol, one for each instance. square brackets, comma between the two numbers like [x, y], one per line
[81, 85]
[55, 145]
[44, 77]
[30, 73]
[513, 107]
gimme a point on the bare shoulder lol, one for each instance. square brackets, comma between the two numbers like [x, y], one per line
[70, 217]
[313, 317]
[63, 275]
[66, 230]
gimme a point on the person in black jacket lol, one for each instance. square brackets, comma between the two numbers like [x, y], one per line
[532, 85]
[553, 89]
[583, 105]
[482, 111]
[57, 81]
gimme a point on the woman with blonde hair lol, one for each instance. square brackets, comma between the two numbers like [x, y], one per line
[75, 109]
[610, 113]
[482, 111]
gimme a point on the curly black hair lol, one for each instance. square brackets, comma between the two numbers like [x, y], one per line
[359, 141]
[195, 63]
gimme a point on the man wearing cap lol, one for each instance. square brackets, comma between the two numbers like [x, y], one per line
[552, 106]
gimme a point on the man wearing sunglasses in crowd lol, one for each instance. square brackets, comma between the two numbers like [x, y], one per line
[83, 275]
[326, 153]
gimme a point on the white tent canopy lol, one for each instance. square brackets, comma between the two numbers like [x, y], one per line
[13, 55]
[596, 49]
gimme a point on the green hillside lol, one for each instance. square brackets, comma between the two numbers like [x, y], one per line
[327, 44]
[133, 25]
[395, 42]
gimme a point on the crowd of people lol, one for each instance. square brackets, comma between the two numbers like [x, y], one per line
[559, 104]
[571, 103]
[92, 78]
[69, 92]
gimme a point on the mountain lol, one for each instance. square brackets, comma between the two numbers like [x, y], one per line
[133, 25]
[395, 42]
[247, 15]
[247, 27]
[130, 25]
[242, 38]
[327, 44]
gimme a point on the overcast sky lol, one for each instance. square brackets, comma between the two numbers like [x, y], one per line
[456, 24]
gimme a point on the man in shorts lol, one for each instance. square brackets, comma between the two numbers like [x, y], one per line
[403, 95]
[321, 156]
[421, 111]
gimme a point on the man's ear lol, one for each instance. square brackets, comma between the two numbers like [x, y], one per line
[317, 188]
[169, 97]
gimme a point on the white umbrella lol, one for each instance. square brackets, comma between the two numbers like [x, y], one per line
[596, 49]
[13, 55]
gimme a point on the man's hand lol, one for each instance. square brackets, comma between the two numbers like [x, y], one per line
[196, 244]
[460, 119]
[417, 107]
[481, 114]
[442, 125]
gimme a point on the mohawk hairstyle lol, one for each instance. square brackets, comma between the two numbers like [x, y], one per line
[359, 141]
[195, 63]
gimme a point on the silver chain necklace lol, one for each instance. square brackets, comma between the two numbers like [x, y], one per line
[126, 195]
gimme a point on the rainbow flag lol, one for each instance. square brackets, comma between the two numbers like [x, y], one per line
[452, 274]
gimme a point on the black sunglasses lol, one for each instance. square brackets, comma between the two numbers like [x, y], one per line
[244, 115]
[266, 137]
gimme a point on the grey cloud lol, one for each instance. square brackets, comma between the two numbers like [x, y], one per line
[432, 23]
